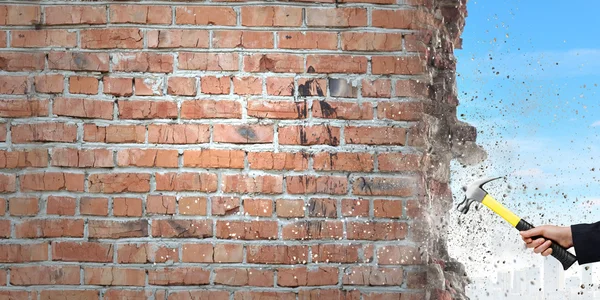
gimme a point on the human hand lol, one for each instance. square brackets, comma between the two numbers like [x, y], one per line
[539, 238]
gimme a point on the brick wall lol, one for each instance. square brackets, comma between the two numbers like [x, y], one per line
[242, 150]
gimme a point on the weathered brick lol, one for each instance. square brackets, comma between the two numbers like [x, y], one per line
[398, 255]
[307, 40]
[52, 181]
[182, 228]
[23, 108]
[228, 253]
[21, 61]
[122, 38]
[308, 184]
[148, 158]
[247, 230]
[401, 111]
[271, 16]
[278, 63]
[105, 229]
[44, 275]
[20, 14]
[277, 254]
[378, 88]
[377, 231]
[148, 86]
[43, 38]
[205, 182]
[401, 65]
[277, 109]
[62, 206]
[127, 207]
[82, 252]
[308, 87]
[197, 253]
[247, 85]
[119, 182]
[178, 38]
[384, 186]
[373, 276]
[302, 276]
[322, 208]
[83, 85]
[83, 108]
[199, 294]
[147, 109]
[248, 295]
[183, 86]
[411, 88]
[313, 230]
[193, 206]
[243, 39]
[263, 184]
[114, 276]
[146, 253]
[118, 86]
[215, 85]
[222, 206]
[49, 228]
[19, 253]
[343, 161]
[210, 109]
[178, 133]
[280, 86]
[335, 253]
[85, 158]
[375, 135]
[159, 204]
[13, 85]
[258, 207]
[290, 208]
[75, 14]
[355, 208]
[397, 19]
[336, 64]
[142, 62]
[179, 276]
[77, 61]
[34, 158]
[8, 183]
[205, 15]
[242, 134]
[114, 133]
[208, 61]
[93, 206]
[336, 17]
[244, 277]
[371, 41]
[214, 158]
[309, 135]
[49, 83]
[278, 161]
[140, 14]
[23, 206]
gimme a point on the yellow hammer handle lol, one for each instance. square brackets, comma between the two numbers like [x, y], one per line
[502, 211]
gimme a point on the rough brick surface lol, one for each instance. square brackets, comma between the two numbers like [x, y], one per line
[225, 150]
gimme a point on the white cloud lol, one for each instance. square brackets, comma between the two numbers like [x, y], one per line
[596, 124]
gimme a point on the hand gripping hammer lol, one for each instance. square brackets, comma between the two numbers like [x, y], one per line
[476, 193]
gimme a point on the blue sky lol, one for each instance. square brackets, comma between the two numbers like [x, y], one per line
[529, 79]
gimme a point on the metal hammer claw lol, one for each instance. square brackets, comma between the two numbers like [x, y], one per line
[476, 193]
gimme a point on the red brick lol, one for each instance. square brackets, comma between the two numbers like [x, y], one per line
[373, 276]
[140, 14]
[52, 181]
[277, 109]
[127, 207]
[69, 294]
[105, 229]
[148, 158]
[343, 161]
[384, 186]
[337, 64]
[148, 86]
[271, 16]
[19, 253]
[178, 38]
[401, 65]
[315, 294]
[118, 183]
[49, 83]
[247, 85]
[34, 158]
[375, 135]
[263, 184]
[44, 275]
[277, 254]
[181, 181]
[397, 19]
[243, 39]
[14, 85]
[118, 86]
[278, 161]
[114, 133]
[178, 134]
[3, 39]
[147, 109]
[378, 88]
[322, 208]
[5, 228]
[290, 208]
[183, 86]
[398, 255]
[214, 158]
[2, 206]
[411, 88]
[63, 206]
[280, 86]
[211, 109]
[387, 208]
[312, 87]
[179, 276]
[142, 62]
[302, 276]
[75, 14]
[146, 253]
[397, 162]
[182, 228]
[247, 230]
[244, 277]
[313, 230]
[119, 294]
[249, 295]
[242, 134]
[228, 253]
[23, 206]
[83, 108]
[222, 206]
[3, 132]
[199, 294]
[114, 276]
[17, 294]
[197, 253]
[377, 231]
[209, 61]
[20, 14]
[307, 40]
[83, 85]
[49, 228]
[258, 207]
[8, 182]
[93, 206]
[309, 135]
[20, 61]
[355, 208]
[215, 85]
[371, 41]
[78, 61]
[122, 38]
[84, 158]
[335, 253]
[401, 111]
[159, 204]
[307, 184]
[82, 252]
[43, 38]
[205, 15]
[336, 17]
[23, 108]
[278, 63]
[193, 206]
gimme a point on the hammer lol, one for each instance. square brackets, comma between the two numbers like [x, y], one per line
[476, 193]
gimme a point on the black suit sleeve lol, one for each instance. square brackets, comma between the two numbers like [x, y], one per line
[586, 240]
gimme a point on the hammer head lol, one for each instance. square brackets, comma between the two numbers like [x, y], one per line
[474, 192]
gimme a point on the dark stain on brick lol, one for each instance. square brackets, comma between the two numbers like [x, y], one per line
[288, 37]
[333, 141]
[179, 228]
[308, 88]
[80, 60]
[326, 110]
[247, 132]
[266, 64]
[364, 185]
[303, 139]
[301, 109]
[311, 69]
